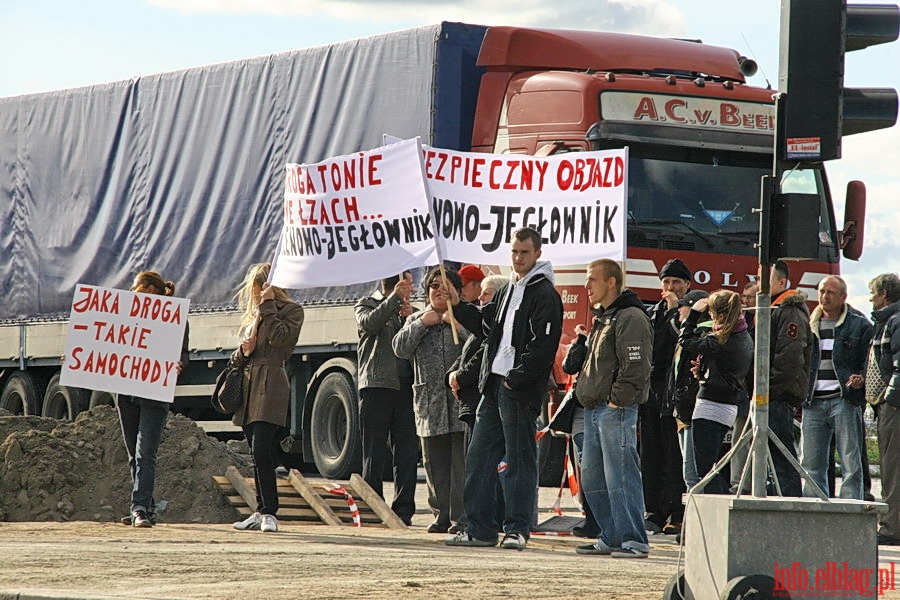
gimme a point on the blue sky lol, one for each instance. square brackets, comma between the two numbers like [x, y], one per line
[54, 44]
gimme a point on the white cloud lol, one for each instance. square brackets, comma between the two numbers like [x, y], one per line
[657, 16]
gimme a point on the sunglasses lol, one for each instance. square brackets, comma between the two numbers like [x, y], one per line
[435, 285]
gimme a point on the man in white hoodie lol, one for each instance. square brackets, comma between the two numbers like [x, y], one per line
[522, 327]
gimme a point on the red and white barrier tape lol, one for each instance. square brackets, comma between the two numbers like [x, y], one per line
[339, 490]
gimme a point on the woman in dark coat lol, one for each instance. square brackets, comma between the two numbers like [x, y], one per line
[726, 355]
[270, 327]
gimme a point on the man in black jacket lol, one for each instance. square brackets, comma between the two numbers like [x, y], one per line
[661, 460]
[522, 327]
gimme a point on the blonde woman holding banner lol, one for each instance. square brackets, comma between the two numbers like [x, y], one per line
[270, 327]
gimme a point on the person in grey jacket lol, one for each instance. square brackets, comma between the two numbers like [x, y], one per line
[882, 389]
[426, 339]
[613, 382]
[385, 394]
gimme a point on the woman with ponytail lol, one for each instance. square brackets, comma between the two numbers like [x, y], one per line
[725, 354]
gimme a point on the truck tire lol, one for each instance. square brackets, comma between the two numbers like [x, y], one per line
[61, 402]
[751, 587]
[23, 393]
[334, 427]
[101, 399]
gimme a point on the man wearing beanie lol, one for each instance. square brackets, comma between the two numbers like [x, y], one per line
[661, 461]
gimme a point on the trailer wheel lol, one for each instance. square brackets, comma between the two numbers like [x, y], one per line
[23, 393]
[62, 402]
[675, 588]
[336, 447]
[101, 399]
[751, 587]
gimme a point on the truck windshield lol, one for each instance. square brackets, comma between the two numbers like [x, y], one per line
[708, 206]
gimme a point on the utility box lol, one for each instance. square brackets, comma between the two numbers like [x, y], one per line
[808, 546]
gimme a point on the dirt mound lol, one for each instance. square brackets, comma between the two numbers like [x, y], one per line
[54, 470]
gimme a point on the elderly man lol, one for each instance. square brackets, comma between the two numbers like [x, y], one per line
[882, 385]
[833, 406]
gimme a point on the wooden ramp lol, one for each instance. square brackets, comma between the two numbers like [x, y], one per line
[311, 501]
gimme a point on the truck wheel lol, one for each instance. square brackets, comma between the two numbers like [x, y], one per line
[751, 587]
[61, 402]
[101, 399]
[23, 393]
[336, 447]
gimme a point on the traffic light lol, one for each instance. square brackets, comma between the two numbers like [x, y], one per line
[818, 110]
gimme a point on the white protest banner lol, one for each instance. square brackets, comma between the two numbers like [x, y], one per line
[577, 201]
[355, 218]
[124, 342]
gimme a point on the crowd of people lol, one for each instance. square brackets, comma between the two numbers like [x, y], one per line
[462, 381]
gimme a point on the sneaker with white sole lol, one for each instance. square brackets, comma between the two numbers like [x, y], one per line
[269, 523]
[464, 539]
[513, 541]
[252, 522]
[629, 553]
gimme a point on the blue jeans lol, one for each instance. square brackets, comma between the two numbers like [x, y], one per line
[688, 464]
[781, 423]
[142, 423]
[611, 476]
[504, 429]
[821, 420]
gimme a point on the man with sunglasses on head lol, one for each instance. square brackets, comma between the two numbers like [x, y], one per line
[522, 327]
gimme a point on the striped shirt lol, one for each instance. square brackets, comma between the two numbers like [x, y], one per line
[827, 384]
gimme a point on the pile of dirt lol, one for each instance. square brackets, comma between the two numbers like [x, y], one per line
[53, 470]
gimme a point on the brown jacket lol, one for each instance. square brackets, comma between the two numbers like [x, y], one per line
[276, 335]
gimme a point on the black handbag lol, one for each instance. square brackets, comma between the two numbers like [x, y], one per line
[229, 393]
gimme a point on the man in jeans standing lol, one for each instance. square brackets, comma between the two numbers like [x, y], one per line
[522, 327]
[614, 380]
[836, 394]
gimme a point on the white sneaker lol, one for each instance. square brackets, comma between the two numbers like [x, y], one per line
[513, 541]
[251, 522]
[269, 523]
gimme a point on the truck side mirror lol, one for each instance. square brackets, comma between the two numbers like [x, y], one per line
[851, 236]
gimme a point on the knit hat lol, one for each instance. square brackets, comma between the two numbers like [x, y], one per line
[471, 273]
[675, 268]
[691, 297]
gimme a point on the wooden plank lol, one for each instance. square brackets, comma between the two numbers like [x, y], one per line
[315, 501]
[241, 487]
[378, 506]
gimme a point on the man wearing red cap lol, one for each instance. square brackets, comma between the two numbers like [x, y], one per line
[471, 279]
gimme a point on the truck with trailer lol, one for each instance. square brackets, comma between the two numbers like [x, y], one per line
[184, 172]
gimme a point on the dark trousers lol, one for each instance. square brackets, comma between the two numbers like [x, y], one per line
[661, 461]
[708, 437]
[444, 457]
[781, 423]
[142, 421]
[503, 428]
[384, 412]
[261, 439]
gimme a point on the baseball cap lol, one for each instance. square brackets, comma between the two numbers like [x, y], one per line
[470, 273]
